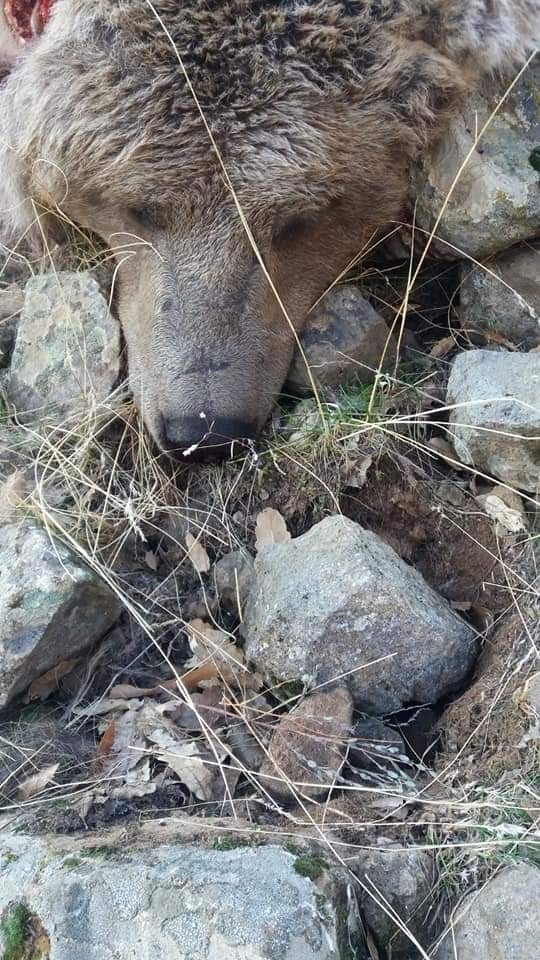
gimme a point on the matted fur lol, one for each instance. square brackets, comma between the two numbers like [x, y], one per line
[317, 109]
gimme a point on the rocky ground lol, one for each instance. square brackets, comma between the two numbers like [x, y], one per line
[288, 707]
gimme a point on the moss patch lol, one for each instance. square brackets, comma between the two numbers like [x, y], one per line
[310, 866]
[13, 930]
[23, 935]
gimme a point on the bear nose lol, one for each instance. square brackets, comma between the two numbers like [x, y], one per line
[204, 440]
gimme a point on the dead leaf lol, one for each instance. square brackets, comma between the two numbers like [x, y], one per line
[151, 560]
[493, 336]
[13, 492]
[359, 471]
[270, 529]
[201, 674]
[122, 745]
[442, 347]
[197, 554]
[32, 786]
[106, 743]
[508, 518]
[48, 682]
[215, 647]
[443, 448]
[125, 691]
[188, 763]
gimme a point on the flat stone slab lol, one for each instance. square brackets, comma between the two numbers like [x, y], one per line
[168, 902]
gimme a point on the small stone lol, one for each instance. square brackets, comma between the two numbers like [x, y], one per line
[401, 877]
[308, 746]
[500, 920]
[495, 425]
[504, 298]
[344, 339]
[232, 575]
[51, 606]
[339, 602]
[375, 744]
[495, 202]
[67, 352]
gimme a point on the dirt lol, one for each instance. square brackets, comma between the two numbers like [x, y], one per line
[490, 721]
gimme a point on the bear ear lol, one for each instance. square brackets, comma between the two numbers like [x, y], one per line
[10, 45]
[21, 23]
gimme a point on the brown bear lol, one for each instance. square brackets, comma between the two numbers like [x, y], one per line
[236, 155]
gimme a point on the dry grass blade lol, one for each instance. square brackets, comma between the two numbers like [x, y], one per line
[197, 554]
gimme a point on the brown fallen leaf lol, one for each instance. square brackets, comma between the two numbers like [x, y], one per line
[106, 744]
[207, 643]
[190, 765]
[13, 492]
[197, 554]
[493, 336]
[441, 446]
[358, 473]
[270, 529]
[442, 347]
[200, 674]
[34, 785]
[125, 691]
[48, 682]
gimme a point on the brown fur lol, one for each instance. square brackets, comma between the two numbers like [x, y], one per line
[316, 109]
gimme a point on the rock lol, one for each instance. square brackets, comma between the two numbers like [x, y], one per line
[496, 201]
[338, 601]
[403, 876]
[510, 307]
[171, 902]
[307, 749]
[344, 339]
[496, 424]
[67, 351]
[51, 606]
[502, 920]
[232, 575]
[375, 745]
[11, 301]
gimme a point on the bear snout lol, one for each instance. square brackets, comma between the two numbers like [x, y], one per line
[204, 439]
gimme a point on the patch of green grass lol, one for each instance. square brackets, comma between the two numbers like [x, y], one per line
[71, 862]
[310, 865]
[100, 853]
[232, 842]
[13, 930]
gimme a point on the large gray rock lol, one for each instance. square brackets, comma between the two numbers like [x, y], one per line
[170, 902]
[509, 305]
[344, 339]
[401, 877]
[499, 922]
[496, 202]
[495, 423]
[338, 601]
[67, 351]
[51, 607]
